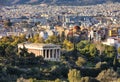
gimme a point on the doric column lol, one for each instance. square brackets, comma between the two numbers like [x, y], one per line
[49, 54]
[53, 53]
[39, 53]
[45, 53]
[59, 53]
[56, 53]
[42, 53]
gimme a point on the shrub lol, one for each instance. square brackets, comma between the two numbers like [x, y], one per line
[74, 75]
[81, 61]
[88, 79]
[107, 76]
[102, 65]
[58, 80]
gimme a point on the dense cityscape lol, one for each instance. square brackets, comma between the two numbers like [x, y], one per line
[17, 11]
[51, 43]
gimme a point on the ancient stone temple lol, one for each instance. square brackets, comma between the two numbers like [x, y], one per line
[50, 52]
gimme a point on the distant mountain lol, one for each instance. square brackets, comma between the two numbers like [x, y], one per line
[57, 2]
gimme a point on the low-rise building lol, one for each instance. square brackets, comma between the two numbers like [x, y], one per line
[113, 32]
[49, 52]
[110, 42]
[113, 42]
[12, 33]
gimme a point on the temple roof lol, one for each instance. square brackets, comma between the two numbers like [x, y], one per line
[37, 45]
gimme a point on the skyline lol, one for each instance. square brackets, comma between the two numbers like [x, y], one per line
[57, 2]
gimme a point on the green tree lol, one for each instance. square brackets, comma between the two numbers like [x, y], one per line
[81, 61]
[10, 50]
[58, 80]
[16, 41]
[82, 44]
[108, 75]
[1, 50]
[23, 52]
[102, 65]
[74, 75]
[110, 51]
[3, 46]
[118, 50]
[88, 79]
[37, 39]
[93, 50]
[115, 61]
[83, 47]
[67, 45]
[6, 40]
[62, 36]
[52, 39]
